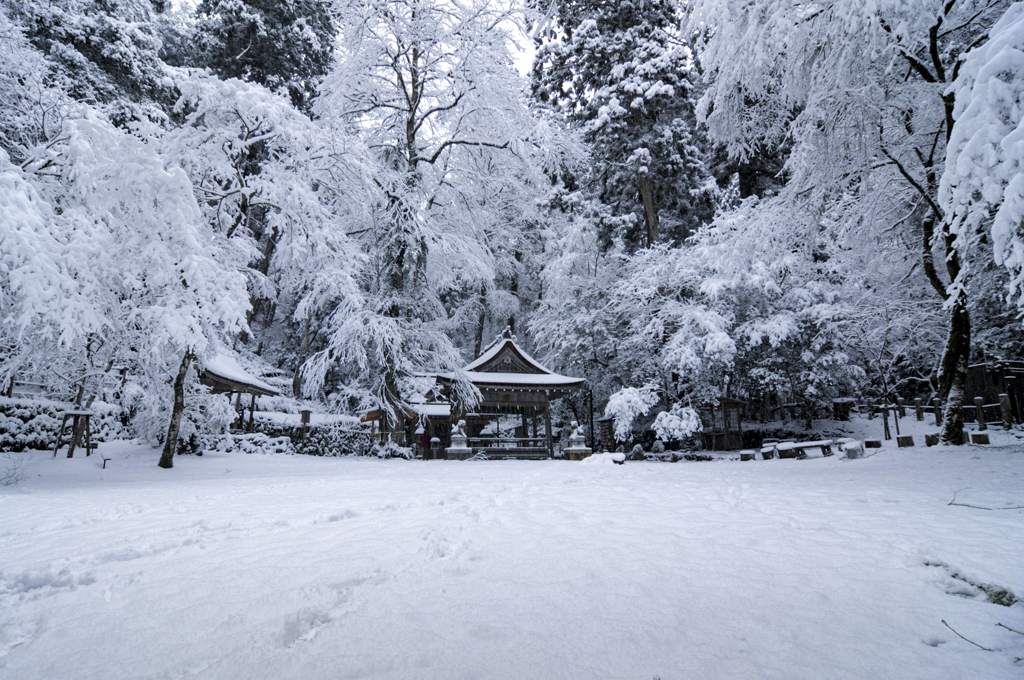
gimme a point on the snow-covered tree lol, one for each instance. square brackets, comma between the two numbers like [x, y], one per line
[433, 88]
[628, 403]
[982, 187]
[861, 90]
[276, 44]
[623, 73]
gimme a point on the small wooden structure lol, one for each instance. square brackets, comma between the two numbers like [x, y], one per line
[512, 383]
[429, 412]
[224, 375]
[723, 428]
[79, 423]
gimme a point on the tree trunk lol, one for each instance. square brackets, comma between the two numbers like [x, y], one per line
[953, 375]
[171, 442]
[303, 355]
[479, 340]
[650, 212]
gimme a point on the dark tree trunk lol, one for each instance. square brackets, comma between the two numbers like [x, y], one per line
[650, 211]
[953, 375]
[303, 355]
[171, 442]
[478, 342]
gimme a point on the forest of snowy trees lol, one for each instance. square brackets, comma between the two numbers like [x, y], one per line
[772, 200]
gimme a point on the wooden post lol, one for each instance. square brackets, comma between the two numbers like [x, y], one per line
[547, 429]
[1004, 410]
[979, 407]
[937, 405]
[252, 411]
[885, 422]
[918, 409]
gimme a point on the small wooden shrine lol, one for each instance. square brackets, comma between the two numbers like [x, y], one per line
[723, 430]
[224, 375]
[512, 383]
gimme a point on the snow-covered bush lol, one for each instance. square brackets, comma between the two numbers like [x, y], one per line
[337, 439]
[34, 423]
[677, 424]
[628, 403]
[254, 442]
[392, 450]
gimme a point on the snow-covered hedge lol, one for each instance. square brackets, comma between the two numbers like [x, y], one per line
[254, 442]
[33, 423]
[337, 439]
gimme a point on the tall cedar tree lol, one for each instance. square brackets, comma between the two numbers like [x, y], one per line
[273, 43]
[623, 74]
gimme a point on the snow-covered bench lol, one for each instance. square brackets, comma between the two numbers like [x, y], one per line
[799, 449]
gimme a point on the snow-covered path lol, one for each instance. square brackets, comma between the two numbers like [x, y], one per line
[235, 566]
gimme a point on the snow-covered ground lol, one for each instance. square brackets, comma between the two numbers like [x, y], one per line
[236, 566]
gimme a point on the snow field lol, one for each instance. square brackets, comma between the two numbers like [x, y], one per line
[236, 566]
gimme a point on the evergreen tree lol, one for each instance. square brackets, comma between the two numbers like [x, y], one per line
[623, 74]
[273, 43]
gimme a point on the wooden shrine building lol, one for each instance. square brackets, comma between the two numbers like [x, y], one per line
[224, 375]
[511, 383]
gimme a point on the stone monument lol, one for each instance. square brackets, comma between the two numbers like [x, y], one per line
[459, 450]
[577, 449]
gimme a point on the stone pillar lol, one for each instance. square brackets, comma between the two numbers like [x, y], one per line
[979, 406]
[1005, 411]
[918, 409]
[900, 402]
[937, 404]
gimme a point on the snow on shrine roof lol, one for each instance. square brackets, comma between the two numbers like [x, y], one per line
[226, 368]
[552, 379]
[495, 349]
[438, 410]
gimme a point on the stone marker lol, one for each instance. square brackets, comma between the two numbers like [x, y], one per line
[918, 409]
[904, 441]
[872, 443]
[937, 405]
[931, 439]
[1004, 410]
[853, 449]
[746, 455]
[979, 437]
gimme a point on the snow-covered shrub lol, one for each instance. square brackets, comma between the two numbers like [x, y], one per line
[34, 423]
[677, 424]
[254, 442]
[392, 450]
[338, 439]
[628, 403]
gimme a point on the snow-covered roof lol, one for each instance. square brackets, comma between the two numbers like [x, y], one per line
[224, 368]
[439, 410]
[543, 379]
[505, 363]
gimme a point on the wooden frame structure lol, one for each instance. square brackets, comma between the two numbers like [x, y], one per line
[723, 426]
[224, 375]
[511, 382]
